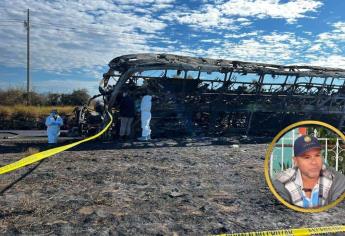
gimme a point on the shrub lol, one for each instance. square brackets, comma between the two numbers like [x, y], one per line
[77, 97]
[29, 117]
[19, 96]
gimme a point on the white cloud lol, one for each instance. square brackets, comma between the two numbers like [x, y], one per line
[339, 27]
[337, 34]
[333, 61]
[244, 24]
[331, 42]
[242, 35]
[66, 35]
[290, 11]
[70, 37]
[225, 15]
[315, 48]
[77, 37]
[144, 2]
[257, 46]
[242, 19]
[208, 17]
[213, 41]
[289, 39]
[275, 37]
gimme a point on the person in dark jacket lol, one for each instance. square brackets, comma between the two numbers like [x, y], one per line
[310, 183]
[127, 113]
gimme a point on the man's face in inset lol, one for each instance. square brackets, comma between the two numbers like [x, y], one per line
[310, 163]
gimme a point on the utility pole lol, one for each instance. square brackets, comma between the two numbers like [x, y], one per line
[28, 82]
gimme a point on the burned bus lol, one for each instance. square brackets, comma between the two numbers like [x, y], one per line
[208, 97]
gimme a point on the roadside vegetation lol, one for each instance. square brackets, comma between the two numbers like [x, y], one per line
[16, 114]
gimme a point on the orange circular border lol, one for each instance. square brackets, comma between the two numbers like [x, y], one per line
[267, 162]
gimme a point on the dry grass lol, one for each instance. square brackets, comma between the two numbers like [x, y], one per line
[30, 151]
[28, 117]
[33, 111]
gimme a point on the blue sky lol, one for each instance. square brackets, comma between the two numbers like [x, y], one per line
[73, 41]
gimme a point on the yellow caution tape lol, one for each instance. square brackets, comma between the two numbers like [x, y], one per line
[42, 155]
[294, 232]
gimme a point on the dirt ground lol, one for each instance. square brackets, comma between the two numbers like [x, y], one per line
[164, 187]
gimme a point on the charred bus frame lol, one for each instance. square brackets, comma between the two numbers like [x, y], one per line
[245, 97]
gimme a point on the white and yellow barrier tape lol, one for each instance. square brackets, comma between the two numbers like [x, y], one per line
[294, 232]
[45, 154]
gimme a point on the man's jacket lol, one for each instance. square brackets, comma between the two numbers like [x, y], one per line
[335, 189]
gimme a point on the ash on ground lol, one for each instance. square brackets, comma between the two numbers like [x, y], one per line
[163, 187]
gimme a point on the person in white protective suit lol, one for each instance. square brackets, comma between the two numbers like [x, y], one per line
[145, 110]
[53, 123]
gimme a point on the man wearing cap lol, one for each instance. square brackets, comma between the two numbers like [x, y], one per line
[310, 183]
[53, 123]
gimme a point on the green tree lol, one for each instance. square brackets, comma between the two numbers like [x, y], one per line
[77, 97]
[54, 99]
[80, 97]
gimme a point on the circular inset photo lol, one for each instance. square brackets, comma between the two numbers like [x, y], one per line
[305, 166]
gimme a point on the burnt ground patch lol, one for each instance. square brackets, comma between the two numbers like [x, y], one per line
[162, 187]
